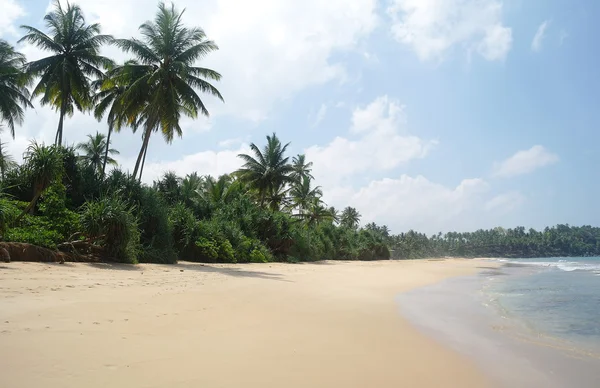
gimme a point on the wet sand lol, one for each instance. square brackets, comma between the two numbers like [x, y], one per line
[190, 325]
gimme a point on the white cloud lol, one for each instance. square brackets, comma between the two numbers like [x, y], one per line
[433, 27]
[269, 49]
[505, 202]
[11, 11]
[380, 146]
[320, 115]
[213, 163]
[540, 34]
[525, 162]
[264, 57]
[414, 203]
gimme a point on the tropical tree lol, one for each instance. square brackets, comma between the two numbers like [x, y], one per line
[6, 161]
[44, 166]
[170, 187]
[109, 98]
[303, 194]
[301, 168]
[95, 154]
[66, 75]
[268, 171]
[14, 95]
[350, 218]
[315, 213]
[167, 86]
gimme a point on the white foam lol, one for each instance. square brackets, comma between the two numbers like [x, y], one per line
[564, 265]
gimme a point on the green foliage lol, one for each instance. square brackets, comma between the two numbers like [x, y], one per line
[34, 233]
[156, 231]
[8, 214]
[112, 222]
[558, 241]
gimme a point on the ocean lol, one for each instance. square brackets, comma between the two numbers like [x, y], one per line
[528, 323]
[557, 299]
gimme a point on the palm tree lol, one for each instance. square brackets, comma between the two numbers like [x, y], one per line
[268, 171]
[44, 165]
[166, 88]
[65, 76]
[14, 95]
[350, 217]
[303, 194]
[302, 169]
[109, 97]
[334, 214]
[94, 152]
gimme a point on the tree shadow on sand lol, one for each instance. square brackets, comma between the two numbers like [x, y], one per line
[189, 266]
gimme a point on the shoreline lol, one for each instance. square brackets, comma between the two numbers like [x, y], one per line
[463, 314]
[320, 324]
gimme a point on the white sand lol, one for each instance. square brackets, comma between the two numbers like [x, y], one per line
[272, 325]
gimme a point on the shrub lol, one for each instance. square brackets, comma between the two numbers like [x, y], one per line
[156, 232]
[208, 249]
[36, 235]
[110, 220]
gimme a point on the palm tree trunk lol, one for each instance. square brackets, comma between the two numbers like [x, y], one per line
[29, 207]
[143, 162]
[146, 139]
[107, 148]
[59, 131]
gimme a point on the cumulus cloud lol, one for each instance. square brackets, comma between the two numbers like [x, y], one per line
[540, 34]
[379, 144]
[11, 11]
[210, 162]
[433, 27]
[269, 49]
[525, 162]
[415, 203]
[264, 57]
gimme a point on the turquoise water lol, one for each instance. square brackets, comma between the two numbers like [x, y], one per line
[558, 297]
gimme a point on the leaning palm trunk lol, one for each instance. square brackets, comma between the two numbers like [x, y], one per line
[146, 138]
[110, 129]
[29, 207]
[59, 131]
[143, 162]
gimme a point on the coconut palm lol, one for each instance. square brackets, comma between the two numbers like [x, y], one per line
[350, 217]
[303, 194]
[268, 171]
[94, 152]
[14, 95]
[109, 98]
[66, 75]
[167, 89]
[334, 214]
[44, 165]
[302, 169]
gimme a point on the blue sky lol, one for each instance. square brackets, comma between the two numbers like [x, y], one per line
[424, 114]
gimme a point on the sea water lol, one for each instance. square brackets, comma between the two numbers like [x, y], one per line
[529, 323]
[558, 298]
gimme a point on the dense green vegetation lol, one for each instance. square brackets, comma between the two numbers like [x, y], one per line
[558, 241]
[68, 198]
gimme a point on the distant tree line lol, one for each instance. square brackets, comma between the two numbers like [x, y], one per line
[557, 241]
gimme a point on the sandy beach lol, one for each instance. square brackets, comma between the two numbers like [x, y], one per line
[191, 325]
